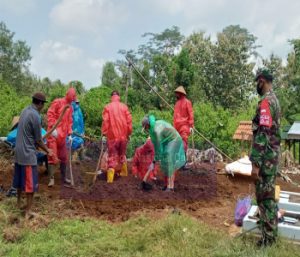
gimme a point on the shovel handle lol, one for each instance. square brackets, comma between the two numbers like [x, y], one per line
[147, 175]
[99, 161]
[70, 160]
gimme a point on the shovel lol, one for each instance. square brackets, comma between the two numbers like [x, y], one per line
[145, 185]
[70, 159]
[97, 171]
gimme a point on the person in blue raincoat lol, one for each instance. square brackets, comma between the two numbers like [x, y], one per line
[78, 128]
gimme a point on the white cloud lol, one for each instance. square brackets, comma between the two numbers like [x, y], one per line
[175, 7]
[17, 7]
[84, 33]
[272, 21]
[189, 9]
[92, 16]
[96, 64]
[55, 60]
[58, 51]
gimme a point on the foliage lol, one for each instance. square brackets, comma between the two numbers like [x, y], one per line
[220, 71]
[230, 74]
[109, 77]
[215, 123]
[156, 62]
[166, 42]
[217, 76]
[14, 57]
[200, 49]
[138, 137]
[219, 125]
[92, 104]
[185, 70]
[291, 94]
[11, 105]
[275, 66]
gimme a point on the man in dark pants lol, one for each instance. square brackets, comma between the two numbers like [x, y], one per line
[265, 156]
[28, 138]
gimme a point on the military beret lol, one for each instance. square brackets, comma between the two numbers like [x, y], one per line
[264, 73]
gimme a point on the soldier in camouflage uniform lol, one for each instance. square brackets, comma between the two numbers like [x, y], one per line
[265, 156]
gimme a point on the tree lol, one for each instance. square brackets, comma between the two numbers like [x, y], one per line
[11, 105]
[200, 50]
[93, 103]
[160, 53]
[290, 95]
[185, 70]
[110, 78]
[166, 42]
[231, 73]
[275, 66]
[140, 94]
[14, 59]
[155, 60]
[293, 67]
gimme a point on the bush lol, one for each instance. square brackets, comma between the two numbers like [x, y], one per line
[219, 125]
[92, 104]
[215, 123]
[11, 105]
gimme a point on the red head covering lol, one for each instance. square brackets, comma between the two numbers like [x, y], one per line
[71, 95]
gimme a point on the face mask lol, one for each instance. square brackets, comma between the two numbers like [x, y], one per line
[178, 96]
[259, 88]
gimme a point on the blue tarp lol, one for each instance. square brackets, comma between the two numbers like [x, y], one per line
[12, 136]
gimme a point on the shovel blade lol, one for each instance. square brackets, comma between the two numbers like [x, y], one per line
[146, 186]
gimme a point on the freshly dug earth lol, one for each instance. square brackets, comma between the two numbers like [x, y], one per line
[202, 194]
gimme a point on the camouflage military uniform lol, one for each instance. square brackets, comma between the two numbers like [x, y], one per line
[265, 154]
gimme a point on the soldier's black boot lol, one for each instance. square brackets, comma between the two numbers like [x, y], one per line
[264, 242]
[260, 243]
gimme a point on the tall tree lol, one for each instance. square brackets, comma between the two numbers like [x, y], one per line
[291, 94]
[166, 42]
[200, 49]
[110, 78]
[293, 66]
[231, 77]
[185, 70]
[274, 64]
[156, 61]
[14, 59]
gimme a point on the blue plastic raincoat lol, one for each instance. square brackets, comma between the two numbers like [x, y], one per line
[77, 127]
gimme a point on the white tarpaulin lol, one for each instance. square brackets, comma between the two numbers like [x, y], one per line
[242, 166]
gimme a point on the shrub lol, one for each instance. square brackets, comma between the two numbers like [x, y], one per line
[92, 104]
[11, 105]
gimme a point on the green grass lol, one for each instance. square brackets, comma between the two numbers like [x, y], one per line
[174, 235]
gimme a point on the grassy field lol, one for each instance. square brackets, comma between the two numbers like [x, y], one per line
[174, 235]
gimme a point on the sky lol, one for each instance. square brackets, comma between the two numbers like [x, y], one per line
[72, 39]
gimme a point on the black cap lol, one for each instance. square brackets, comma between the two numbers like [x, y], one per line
[39, 96]
[115, 92]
